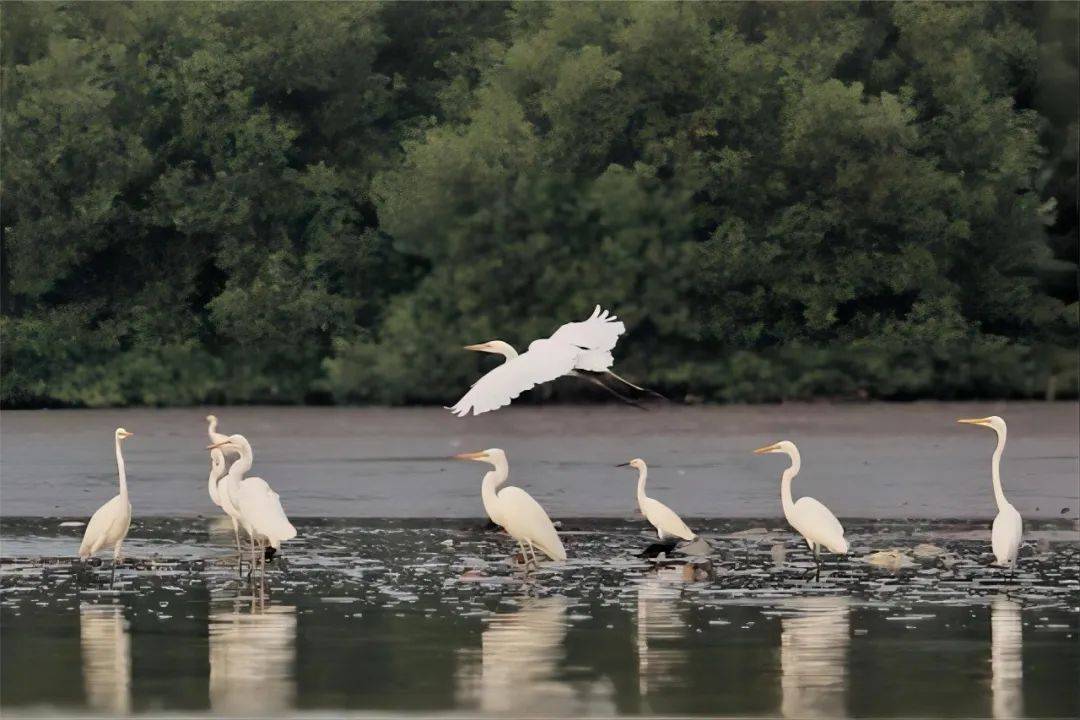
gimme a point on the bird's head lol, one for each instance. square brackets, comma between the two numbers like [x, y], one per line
[497, 347]
[636, 463]
[122, 434]
[492, 456]
[784, 446]
[233, 443]
[211, 418]
[993, 421]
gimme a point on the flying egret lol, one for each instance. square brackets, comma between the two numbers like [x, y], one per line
[259, 507]
[221, 498]
[1008, 530]
[109, 525]
[667, 523]
[514, 509]
[575, 348]
[811, 519]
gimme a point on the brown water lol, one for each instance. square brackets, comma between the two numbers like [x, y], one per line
[864, 461]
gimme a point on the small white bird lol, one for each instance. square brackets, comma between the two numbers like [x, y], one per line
[221, 498]
[667, 523]
[811, 519]
[1008, 531]
[109, 525]
[574, 349]
[259, 507]
[515, 510]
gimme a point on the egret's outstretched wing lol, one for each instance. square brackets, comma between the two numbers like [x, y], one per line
[525, 519]
[544, 361]
[600, 332]
[818, 524]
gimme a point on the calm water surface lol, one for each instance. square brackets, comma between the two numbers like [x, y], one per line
[864, 461]
[391, 615]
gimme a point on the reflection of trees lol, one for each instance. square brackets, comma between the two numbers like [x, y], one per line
[106, 653]
[813, 657]
[252, 658]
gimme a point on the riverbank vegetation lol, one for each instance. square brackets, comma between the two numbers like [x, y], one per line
[280, 202]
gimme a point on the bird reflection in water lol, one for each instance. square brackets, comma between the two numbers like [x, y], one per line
[106, 656]
[252, 658]
[813, 657]
[518, 668]
[1006, 650]
[660, 631]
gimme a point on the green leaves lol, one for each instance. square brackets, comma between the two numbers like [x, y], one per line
[242, 203]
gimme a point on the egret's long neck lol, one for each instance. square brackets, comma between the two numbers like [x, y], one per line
[492, 481]
[120, 468]
[240, 468]
[643, 473]
[216, 471]
[995, 470]
[785, 483]
[213, 426]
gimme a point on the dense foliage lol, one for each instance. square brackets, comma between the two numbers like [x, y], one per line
[308, 202]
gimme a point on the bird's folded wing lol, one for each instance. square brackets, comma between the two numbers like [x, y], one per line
[543, 362]
[600, 332]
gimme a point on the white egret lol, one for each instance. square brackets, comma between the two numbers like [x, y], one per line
[667, 523]
[109, 525]
[513, 508]
[1008, 530]
[258, 506]
[214, 435]
[221, 498]
[574, 349]
[811, 519]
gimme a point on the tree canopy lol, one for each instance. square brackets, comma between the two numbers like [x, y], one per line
[320, 202]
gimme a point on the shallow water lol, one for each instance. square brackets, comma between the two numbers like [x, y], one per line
[391, 615]
[872, 460]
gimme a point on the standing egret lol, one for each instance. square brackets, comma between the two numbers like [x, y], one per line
[574, 349]
[259, 507]
[214, 435]
[221, 498]
[811, 519]
[667, 523]
[109, 525]
[514, 509]
[1008, 530]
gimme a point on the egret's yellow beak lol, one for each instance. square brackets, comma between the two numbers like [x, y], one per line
[217, 445]
[766, 449]
[482, 347]
[472, 456]
[126, 434]
[974, 421]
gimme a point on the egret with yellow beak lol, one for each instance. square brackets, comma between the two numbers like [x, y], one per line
[1008, 531]
[810, 518]
[513, 508]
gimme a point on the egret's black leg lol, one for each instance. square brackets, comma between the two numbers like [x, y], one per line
[636, 387]
[619, 395]
[817, 561]
[112, 575]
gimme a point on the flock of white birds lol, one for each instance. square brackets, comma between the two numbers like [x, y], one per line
[581, 349]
